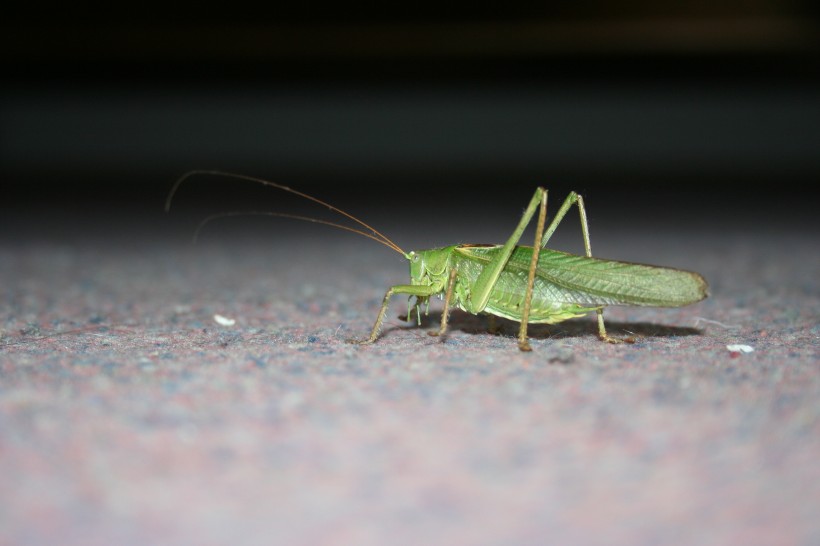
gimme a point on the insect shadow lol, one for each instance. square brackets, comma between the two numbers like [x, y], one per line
[483, 325]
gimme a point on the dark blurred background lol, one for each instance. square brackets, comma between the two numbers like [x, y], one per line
[684, 111]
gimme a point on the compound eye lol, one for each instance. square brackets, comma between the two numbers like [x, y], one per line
[415, 257]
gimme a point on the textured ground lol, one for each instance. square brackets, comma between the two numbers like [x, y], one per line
[128, 415]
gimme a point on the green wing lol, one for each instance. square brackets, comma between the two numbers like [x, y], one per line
[621, 282]
[592, 281]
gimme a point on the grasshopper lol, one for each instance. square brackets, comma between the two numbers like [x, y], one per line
[528, 284]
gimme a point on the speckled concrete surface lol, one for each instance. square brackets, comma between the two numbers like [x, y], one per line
[129, 416]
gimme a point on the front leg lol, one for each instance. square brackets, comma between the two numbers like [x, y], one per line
[410, 289]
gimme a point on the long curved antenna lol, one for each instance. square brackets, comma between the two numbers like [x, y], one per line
[256, 180]
[209, 219]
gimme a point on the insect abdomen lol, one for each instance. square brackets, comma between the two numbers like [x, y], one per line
[548, 304]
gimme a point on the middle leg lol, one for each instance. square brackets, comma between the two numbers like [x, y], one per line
[448, 297]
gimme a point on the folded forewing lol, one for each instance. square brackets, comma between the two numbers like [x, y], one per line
[593, 281]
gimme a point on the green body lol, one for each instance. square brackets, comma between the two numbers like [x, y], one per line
[565, 285]
[535, 284]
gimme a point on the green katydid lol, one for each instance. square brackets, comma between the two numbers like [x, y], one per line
[531, 285]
